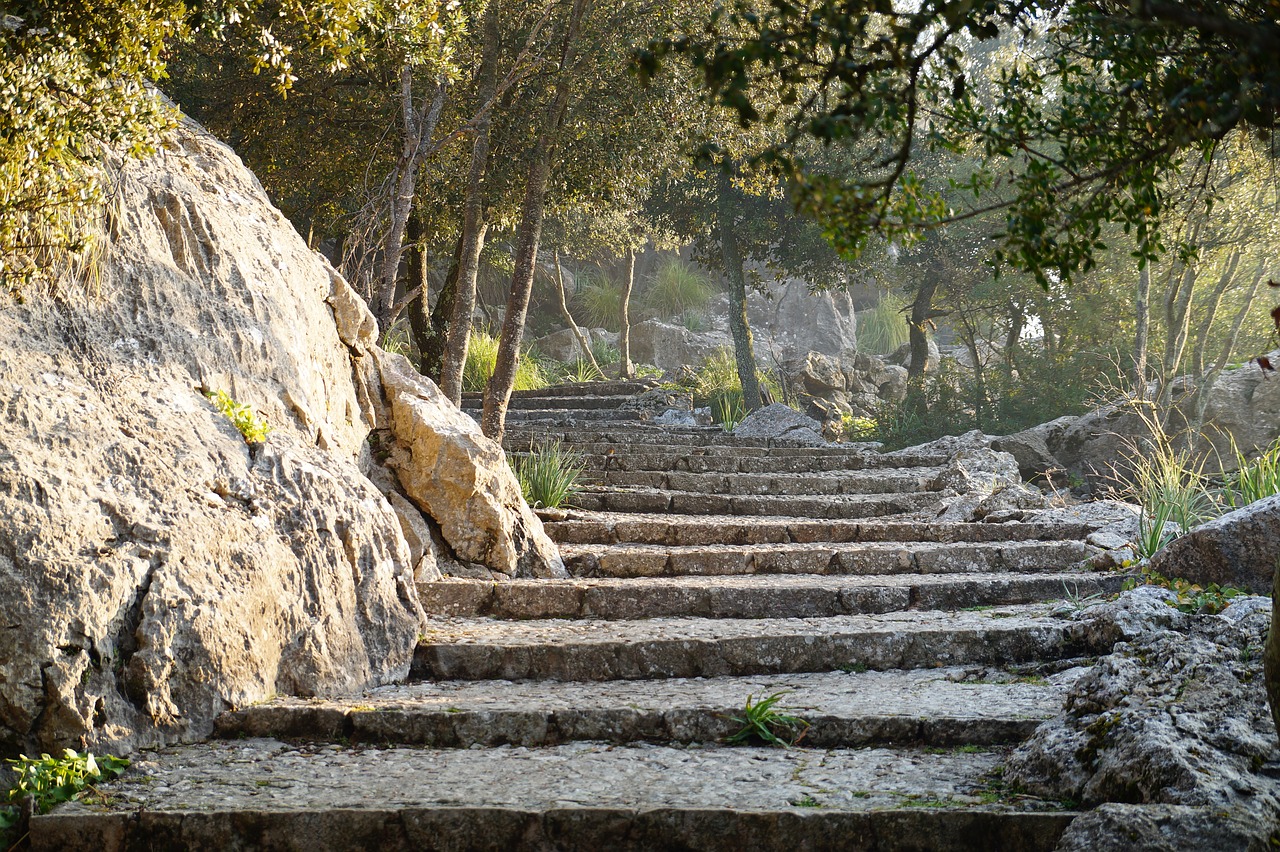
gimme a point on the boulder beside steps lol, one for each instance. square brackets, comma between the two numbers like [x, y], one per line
[592, 713]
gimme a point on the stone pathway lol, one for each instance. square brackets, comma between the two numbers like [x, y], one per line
[591, 713]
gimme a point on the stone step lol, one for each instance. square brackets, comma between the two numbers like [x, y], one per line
[590, 649]
[609, 387]
[762, 596]
[556, 403]
[638, 433]
[932, 707]
[647, 457]
[859, 558]
[891, 481]
[267, 795]
[654, 500]
[579, 527]
[541, 417]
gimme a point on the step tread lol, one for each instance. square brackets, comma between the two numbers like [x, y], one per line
[263, 775]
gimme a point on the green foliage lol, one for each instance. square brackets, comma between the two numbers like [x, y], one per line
[693, 321]
[599, 301]
[1153, 530]
[1169, 485]
[548, 474]
[677, 288]
[854, 428]
[581, 370]
[482, 359]
[763, 721]
[883, 328]
[1191, 597]
[728, 409]
[252, 427]
[1253, 478]
[50, 781]
[605, 353]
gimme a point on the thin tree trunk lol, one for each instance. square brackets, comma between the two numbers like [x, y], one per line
[497, 393]
[921, 313]
[625, 369]
[731, 257]
[584, 343]
[458, 332]
[1017, 322]
[429, 329]
[418, 312]
[1177, 328]
[417, 125]
[1210, 379]
[1210, 312]
[1142, 332]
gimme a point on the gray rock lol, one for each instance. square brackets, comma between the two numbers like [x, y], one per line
[792, 320]
[821, 374]
[1031, 447]
[979, 471]
[670, 347]
[783, 423]
[1238, 549]
[1175, 716]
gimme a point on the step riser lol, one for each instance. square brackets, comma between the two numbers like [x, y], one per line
[599, 457]
[465, 599]
[619, 660]
[555, 403]
[531, 729]
[461, 829]
[726, 504]
[568, 416]
[764, 485]
[615, 388]
[853, 559]
[692, 532]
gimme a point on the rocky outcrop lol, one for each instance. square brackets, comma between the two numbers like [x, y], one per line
[791, 320]
[1174, 721]
[670, 347]
[782, 423]
[155, 568]
[1238, 549]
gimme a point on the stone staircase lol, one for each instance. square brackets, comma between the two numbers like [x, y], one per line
[591, 713]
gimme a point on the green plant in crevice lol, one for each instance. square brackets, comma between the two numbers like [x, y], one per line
[1153, 530]
[580, 370]
[482, 359]
[1191, 597]
[605, 353]
[251, 427]
[548, 474]
[1169, 485]
[1253, 479]
[762, 720]
[50, 781]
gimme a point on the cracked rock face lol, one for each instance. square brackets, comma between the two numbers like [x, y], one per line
[154, 568]
[1175, 720]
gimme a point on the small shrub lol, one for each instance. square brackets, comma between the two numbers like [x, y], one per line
[605, 353]
[252, 428]
[677, 288]
[762, 720]
[581, 370]
[548, 474]
[599, 301]
[855, 428]
[694, 321]
[1191, 597]
[50, 781]
[883, 328]
[482, 358]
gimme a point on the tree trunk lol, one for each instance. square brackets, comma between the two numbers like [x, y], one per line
[430, 325]
[1142, 332]
[497, 392]
[625, 370]
[1017, 322]
[1210, 312]
[921, 313]
[1177, 328]
[583, 343]
[417, 125]
[731, 257]
[1207, 381]
[419, 313]
[458, 333]
[1271, 657]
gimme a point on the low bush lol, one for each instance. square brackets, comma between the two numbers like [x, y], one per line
[482, 358]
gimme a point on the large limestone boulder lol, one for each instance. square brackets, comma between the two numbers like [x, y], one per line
[670, 347]
[791, 320]
[156, 569]
[782, 423]
[461, 478]
[1238, 549]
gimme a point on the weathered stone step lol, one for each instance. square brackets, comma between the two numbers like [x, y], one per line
[763, 596]
[790, 484]
[266, 795]
[934, 707]
[614, 457]
[542, 417]
[550, 403]
[622, 527]
[639, 560]
[610, 387]
[639, 434]
[482, 649]
[694, 503]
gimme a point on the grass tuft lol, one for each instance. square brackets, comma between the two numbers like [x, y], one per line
[548, 474]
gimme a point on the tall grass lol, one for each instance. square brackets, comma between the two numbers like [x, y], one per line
[883, 328]
[677, 288]
[1253, 478]
[598, 300]
[482, 358]
[716, 385]
[548, 474]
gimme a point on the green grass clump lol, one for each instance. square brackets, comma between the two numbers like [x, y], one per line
[482, 358]
[548, 474]
[252, 427]
[677, 288]
[762, 720]
[883, 328]
[716, 385]
[599, 301]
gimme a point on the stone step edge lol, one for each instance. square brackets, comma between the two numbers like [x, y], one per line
[971, 829]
